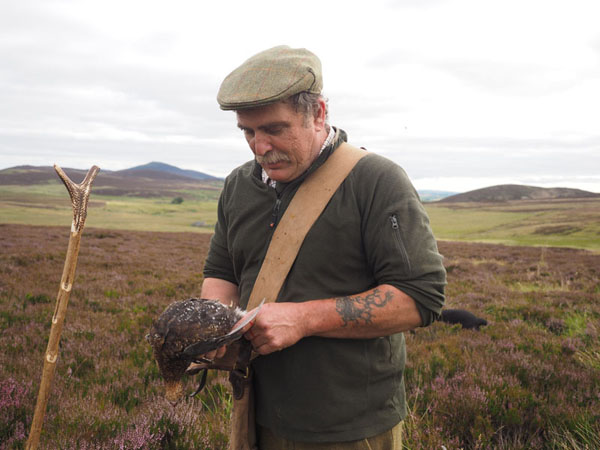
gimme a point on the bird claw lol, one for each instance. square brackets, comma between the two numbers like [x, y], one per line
[201, 384]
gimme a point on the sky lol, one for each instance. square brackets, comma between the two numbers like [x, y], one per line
[463, 94]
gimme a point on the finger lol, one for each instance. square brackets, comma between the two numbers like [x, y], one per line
[265, 349]
[211, 355]
[221, 352]
[249, 326]
[264, 343]
[252, 313]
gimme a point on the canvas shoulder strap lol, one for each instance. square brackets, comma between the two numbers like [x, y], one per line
[302, 212]
[307, 205]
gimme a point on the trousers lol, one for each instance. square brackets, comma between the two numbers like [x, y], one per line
[388, 440]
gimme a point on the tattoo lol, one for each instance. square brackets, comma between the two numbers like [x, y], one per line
[359, 309]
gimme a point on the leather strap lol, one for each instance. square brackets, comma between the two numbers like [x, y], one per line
[307, 205]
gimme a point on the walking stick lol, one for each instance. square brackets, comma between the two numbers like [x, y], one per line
[79, 199]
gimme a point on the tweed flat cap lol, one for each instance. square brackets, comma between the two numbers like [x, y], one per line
[271, 76]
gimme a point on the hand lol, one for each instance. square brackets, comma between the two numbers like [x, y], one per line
[215, 354]
[194, 368]
[208, 358]
[277, 326]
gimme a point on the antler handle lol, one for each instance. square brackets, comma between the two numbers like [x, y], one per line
[80, 193]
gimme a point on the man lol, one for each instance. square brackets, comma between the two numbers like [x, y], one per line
[333, 352]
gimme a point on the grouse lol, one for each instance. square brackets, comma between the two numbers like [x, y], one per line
[188, 329]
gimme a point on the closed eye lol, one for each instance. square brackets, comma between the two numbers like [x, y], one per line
[274, 130]
[247, 131]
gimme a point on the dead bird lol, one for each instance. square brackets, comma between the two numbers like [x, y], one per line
[188, 329]
[465, 318]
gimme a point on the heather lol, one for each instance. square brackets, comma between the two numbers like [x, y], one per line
[530, 379]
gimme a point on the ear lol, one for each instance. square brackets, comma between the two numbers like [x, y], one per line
[319, 120]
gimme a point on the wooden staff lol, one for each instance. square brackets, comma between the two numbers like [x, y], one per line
[79, 199]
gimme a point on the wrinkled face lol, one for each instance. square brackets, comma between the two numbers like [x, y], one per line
[284, 142]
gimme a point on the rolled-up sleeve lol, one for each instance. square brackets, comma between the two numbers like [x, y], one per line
[400, 245]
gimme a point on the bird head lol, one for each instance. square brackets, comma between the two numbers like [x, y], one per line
[171, 368]
[173, 391]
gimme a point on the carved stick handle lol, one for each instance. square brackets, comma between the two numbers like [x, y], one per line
[80, 193]
[79, 199]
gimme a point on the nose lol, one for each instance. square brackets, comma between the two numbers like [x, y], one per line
[261, 144]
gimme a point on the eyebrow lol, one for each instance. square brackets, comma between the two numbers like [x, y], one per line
[265, 127]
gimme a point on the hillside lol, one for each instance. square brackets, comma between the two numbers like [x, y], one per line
[168, 169]
[155, 179]
[151, 180]
[432, 195]
[511, 192]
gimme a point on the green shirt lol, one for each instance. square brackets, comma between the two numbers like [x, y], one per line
[373, 231]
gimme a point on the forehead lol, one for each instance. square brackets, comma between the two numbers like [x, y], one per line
[275, 112]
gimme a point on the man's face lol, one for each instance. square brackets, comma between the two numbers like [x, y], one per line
[285, 142]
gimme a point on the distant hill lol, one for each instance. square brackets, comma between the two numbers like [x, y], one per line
[167, 168]
[157, 180]
[432, 196]
[511, 192]
[154, 179]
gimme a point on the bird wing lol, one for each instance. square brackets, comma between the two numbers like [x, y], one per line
[206, 345]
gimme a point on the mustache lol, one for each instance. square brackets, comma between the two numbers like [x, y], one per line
[272, 157]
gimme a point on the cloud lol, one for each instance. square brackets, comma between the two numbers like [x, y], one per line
[505, 78]
[515, 158]
[448, 86]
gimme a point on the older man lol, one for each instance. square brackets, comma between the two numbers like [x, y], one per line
[333, 352]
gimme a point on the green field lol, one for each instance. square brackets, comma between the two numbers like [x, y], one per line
[529, 379]
[50, 205]
[553, 223]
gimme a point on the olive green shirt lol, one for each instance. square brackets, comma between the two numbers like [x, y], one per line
[373, 231]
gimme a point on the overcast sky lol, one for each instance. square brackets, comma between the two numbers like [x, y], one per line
[461, 93]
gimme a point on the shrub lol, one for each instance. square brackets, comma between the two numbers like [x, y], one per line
[527, 380]
[13, 413]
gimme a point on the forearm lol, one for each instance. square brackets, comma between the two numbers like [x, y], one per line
[381, 311]
[222, 290]
[378, 312]
[228, 294]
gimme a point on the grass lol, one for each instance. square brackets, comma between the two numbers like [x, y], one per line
[527, 380]
[530, 379]
[50, 205]
[553, 223]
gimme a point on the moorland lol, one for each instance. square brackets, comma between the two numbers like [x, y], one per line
[529, 379]
[158, 201]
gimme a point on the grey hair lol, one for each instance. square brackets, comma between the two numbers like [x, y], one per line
[308, 104]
